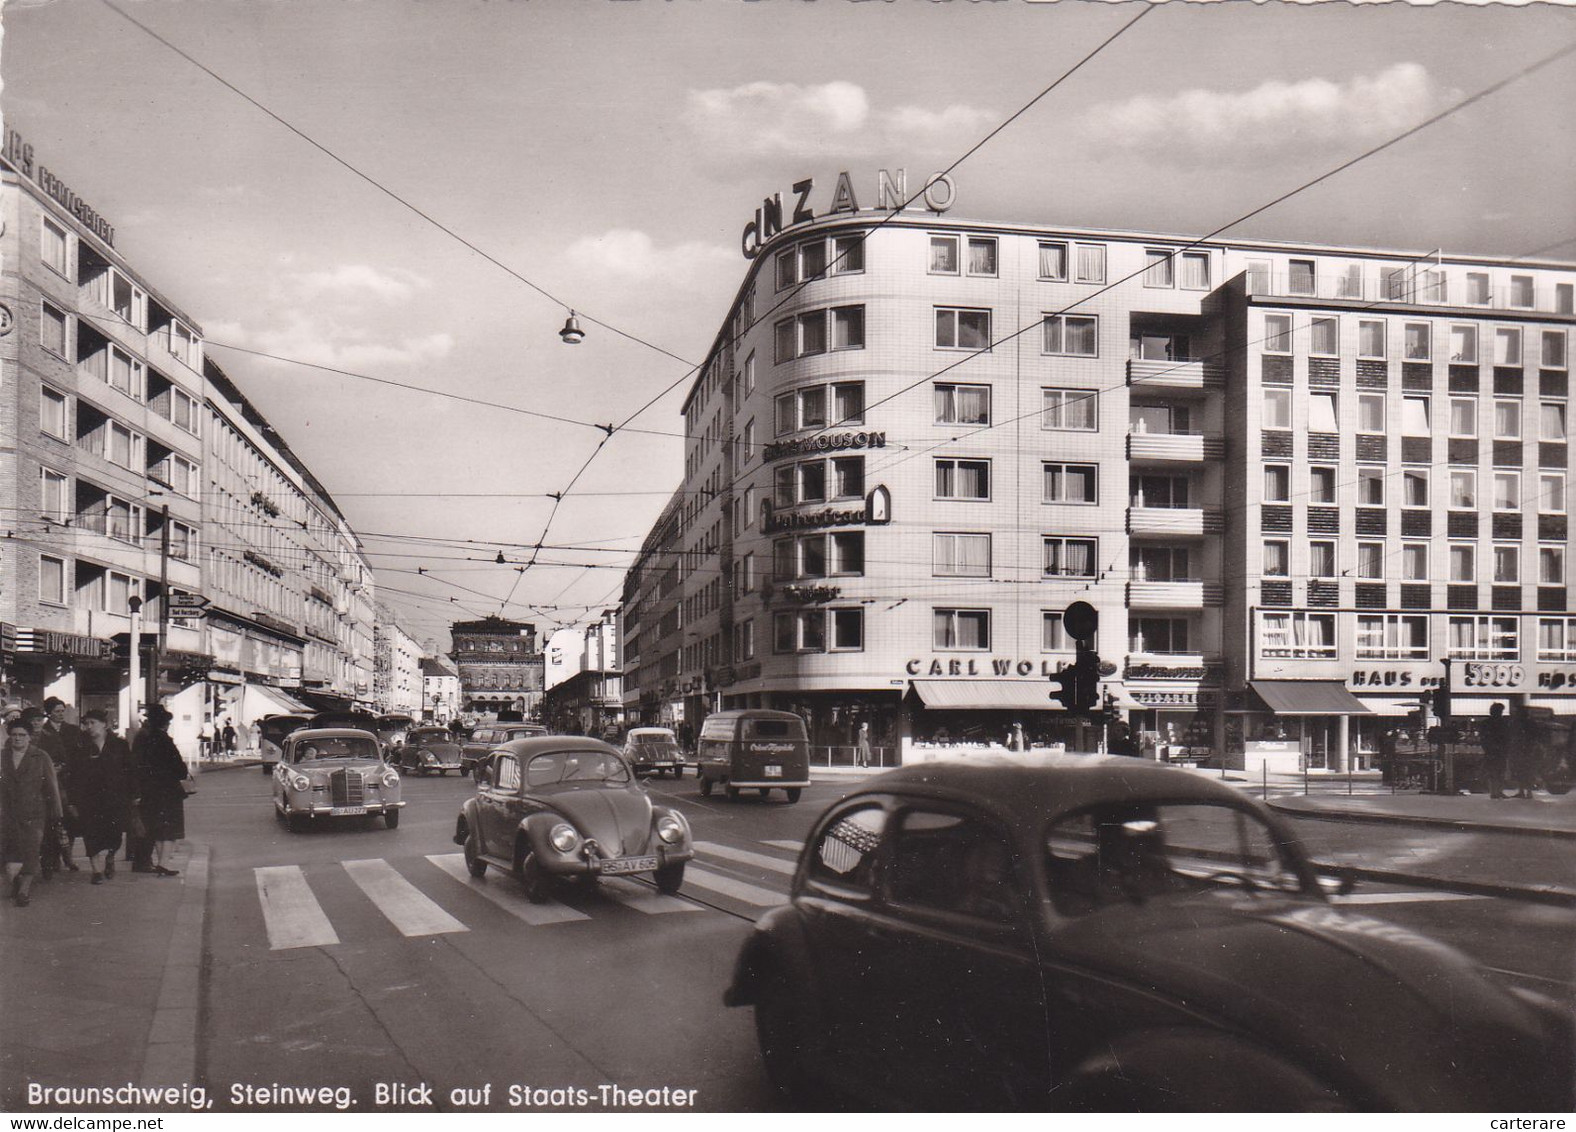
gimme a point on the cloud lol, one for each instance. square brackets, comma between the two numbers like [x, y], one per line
[358, 280]
[323, 341]
[914, 128]
[777, 118]
[1273, 117]
[629, 254]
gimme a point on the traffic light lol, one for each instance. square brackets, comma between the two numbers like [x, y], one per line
[1078, 684]
[1441, 698]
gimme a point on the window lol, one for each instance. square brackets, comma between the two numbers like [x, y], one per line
[1463, 416]
[1070, 483]
[786, 339]
[1159, 564]
[848, 328]
[1521, 291]
[1370, 338]
[1071, 335]
[1507, 491]
[1069, 557]
[120, 445]
[1464, 344]
[1321, 559]
[1277, 408]
[1551, 492]
[1305, 635]
[1277, 333]
[1277, 483]
[806, 335]
[1507, 563]
[1163, 635]
[982, 255]
[55, 250]
[801, 631]
[1162, 420]
[745, 581]
[1326, 337]
[848, 630]
[1277, 559]
[1321, 485]
[1477, 288]
[962, 404]
[750, 507]
[1564, 298]
[747, 442]
[51, 580]
[960, 555]
[1090, 263]
[1053, 634]
[960, 629]
[1053, 261]
[53, 417]
[812, 333]
[1463, 490]
[1433, 286]
[1259, 276]
[1556, 638]
[1414, 489]
[1507, 345]
[812, 260]
[848, 254]
[962, 329]
[1370, 412]
[1073, 410]
[52, 503]
[1158, 491]
[1392, 637]
[1484, 638]
[744, 640]
[1551, 565]
[52, 332]
[963, 479]
[184, 412]
[1418, 342]
[1370, 560]
[807, 407]
[848, 477]
[812, 481]
[943, 255]
[1553, 356]
[954, 865]
[1195, 271]
[749, 374]
[1321, 413]
[1416, 419]
[1507, 420]
[1463, 562]
[1157, 268]
[845, 855]
[124, 373]
[1414, 562]
[1300, 278]
[848, 553]
[125, 299]
[786, 266]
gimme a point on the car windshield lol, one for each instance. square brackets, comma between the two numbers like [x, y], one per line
[337, 747]
[436, 735]
[575, 766]
[1130, 852]
[652, 744]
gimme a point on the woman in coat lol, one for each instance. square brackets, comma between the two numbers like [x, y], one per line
[29, 801]
[163, 800]
[102, 794]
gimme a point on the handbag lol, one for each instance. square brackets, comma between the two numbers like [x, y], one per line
[188, 787]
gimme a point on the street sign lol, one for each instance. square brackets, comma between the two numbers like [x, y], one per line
[187, 605]
[1080, 621]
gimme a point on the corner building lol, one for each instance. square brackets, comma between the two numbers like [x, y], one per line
[1291, 479]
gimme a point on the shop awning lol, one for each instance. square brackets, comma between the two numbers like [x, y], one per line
[1379, 705]
[1121, 696]
[263, 700]
[986, 695]
[1308, 697]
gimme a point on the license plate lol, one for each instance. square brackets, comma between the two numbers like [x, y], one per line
[339, 810]
[774, 772]
[629, 865]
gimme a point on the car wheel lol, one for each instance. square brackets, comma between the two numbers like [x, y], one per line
[793, 793]
[779, 1031]
[733, 792]
[705, 787]
[670, 878]
[391, 818]
[528, 871]
[473, 859]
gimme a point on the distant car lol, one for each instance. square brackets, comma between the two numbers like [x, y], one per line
[566, 808]
[1101, 934]
[272, 731]
[427, 750]
[334, 772]
[654, 749]
[392, 729]
[489, 735]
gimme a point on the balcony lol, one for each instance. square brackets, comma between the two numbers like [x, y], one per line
[1174, 522]
[1174, 447]
[1178, 594]
[1424, 287]
[1161, 373]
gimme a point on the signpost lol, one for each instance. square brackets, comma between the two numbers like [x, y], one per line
[186, 607]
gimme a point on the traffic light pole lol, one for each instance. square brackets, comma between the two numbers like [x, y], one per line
[164, 607]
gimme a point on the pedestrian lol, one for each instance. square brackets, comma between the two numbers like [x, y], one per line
[229, 738]
[862, 746]
[54, 850]
[102, 793]
[29, 800]
[1496, 749]
[1387, 747]
[1526, 751]
[205, 742]
[162, 806]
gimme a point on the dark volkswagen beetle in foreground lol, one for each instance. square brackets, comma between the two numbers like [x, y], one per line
[1100, 934]
[569, 808]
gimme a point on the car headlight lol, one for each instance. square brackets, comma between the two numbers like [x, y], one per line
[299, 782]
[563, 837]
[390, 778]
[429, 756]
[670, 829]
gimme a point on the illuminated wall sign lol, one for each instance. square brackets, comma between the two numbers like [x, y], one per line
[1391, 678]
[808, 520]
[982, 666]
[939, 194]
[20, 155]
[1557, 679]
[823, 442]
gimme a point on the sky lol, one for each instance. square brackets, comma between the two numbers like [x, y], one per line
[607, 153]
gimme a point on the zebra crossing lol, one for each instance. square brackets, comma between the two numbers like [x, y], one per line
[439, 900]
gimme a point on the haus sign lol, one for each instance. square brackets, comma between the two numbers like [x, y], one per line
[939, 194]
[19, 152]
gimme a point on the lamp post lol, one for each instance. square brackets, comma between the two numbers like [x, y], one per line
[134, 652]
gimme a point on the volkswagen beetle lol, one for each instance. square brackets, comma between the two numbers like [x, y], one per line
[1095, 934]
[565, 808]
[334, 772]
[428, 750]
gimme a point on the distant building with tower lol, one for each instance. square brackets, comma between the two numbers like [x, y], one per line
[500, 668]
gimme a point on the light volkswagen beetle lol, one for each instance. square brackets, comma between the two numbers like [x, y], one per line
[334, 772]
[561, 807]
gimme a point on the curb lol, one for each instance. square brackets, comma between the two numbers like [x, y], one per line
[170, 1058]
[1544, 894]
[1459, 824]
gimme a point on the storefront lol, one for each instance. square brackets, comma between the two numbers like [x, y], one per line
[1316, 716]
[79, 670]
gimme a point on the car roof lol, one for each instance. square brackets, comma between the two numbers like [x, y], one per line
[306, 735]
[753, 713]
[1030, 787]
[642, 731]
[544, 744]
